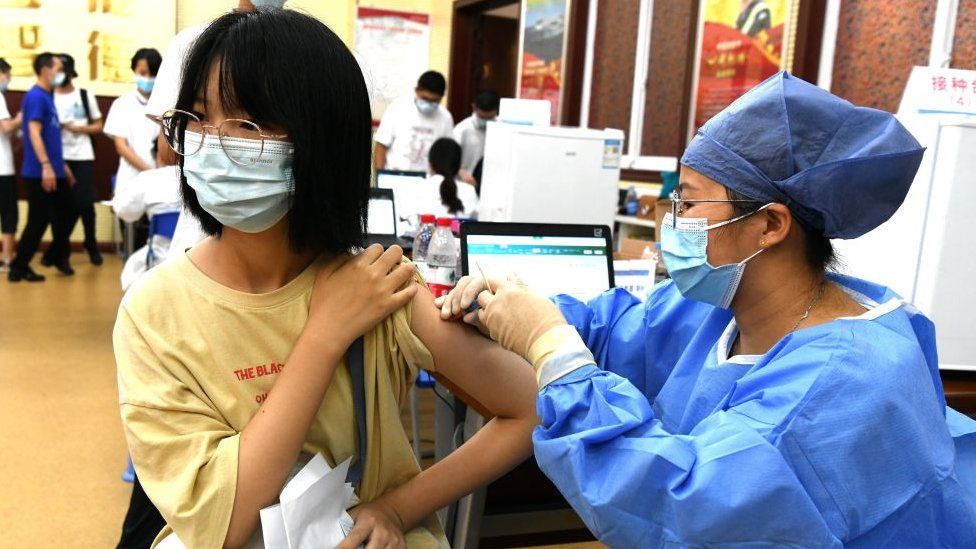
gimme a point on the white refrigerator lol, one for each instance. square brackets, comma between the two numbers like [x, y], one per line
[535, 174]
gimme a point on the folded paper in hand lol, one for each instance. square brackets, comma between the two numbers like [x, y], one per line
[311, 512]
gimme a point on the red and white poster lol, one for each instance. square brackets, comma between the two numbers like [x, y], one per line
[393, 48]
[543, 47]
[742, 44]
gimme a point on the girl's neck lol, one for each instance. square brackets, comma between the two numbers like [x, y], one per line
[252, 263]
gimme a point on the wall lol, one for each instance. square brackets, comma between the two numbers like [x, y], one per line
[340, 16]
[878, 43]
[667, 102]
[613, 64]
[964, 40]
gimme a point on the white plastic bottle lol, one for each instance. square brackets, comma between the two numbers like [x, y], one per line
[442, 259]
[421, 243]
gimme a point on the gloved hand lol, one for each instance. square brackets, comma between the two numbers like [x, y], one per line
[515, 316]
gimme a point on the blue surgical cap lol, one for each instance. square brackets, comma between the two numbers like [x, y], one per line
[842, 170]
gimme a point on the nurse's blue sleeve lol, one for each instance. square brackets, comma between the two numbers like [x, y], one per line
[639, 341]
[637, 485]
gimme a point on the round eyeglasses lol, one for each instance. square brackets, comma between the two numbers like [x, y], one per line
[677, 203]
[176, 123]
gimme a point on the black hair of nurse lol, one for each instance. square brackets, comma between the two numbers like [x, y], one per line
[260, 75]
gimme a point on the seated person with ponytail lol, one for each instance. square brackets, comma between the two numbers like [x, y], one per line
[446, 194]
[232, 357]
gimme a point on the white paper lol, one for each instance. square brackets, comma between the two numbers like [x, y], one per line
[312, 508]
[273, 528]
[635, 275]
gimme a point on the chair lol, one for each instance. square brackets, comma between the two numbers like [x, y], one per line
[161, 224]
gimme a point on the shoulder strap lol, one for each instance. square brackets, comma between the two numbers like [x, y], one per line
[85, 105]
[357, 373]
[88, 115]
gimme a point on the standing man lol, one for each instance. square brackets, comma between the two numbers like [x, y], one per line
[470, 132]
[411, 124]
[45, 174]
[127, 125]
[8, 186]
[81, 121]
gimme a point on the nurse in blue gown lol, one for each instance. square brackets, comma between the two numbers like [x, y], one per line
[757, 399]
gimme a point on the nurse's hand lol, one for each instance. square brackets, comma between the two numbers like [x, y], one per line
[515, 316]
[354, 294]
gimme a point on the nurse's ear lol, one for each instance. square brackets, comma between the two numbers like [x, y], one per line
[776, 222]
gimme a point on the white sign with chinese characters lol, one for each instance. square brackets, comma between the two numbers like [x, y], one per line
[933, 90]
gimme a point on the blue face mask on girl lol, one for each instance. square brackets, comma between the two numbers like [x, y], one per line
[249, 198]
[684, 248]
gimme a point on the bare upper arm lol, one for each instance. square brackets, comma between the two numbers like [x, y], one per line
[500, 381]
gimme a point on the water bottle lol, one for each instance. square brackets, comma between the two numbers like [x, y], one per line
[421, 242]
[632, 201]
[442, 259]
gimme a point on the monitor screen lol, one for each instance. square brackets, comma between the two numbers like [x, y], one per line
[406, 193]
[550, 265]
[381, 219]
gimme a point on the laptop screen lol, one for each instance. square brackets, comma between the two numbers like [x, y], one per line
[381, 218]
[551, 265]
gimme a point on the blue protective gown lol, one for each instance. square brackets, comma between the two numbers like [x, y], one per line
[838, 436]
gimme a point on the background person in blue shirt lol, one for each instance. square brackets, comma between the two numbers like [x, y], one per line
[46, 176]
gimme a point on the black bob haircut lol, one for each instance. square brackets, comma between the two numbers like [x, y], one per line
[487, 100]
[43, 61]
[262, 60]
[152, 57]
[433, 82]
[4, 66]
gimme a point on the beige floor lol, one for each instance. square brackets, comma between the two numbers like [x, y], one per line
[61, 446]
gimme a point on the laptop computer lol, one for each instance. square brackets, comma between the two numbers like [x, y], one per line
[552, 259]
[381, 227]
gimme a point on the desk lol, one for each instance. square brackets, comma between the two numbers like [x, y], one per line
[960, 390]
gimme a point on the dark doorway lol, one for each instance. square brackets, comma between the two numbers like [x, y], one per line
[484, 52]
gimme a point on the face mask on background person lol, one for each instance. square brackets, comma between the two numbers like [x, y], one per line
[58, 79]
[684, 247]
[264, 4]
[4, 85]
[247, 198]
[145, 84]
[426, 107]
[480, 123]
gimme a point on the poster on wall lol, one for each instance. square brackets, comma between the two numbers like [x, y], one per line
[543, 52]
[393, 48]
[102, 36]
[742, 42]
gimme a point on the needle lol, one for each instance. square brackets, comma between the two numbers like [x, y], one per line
[483, 277]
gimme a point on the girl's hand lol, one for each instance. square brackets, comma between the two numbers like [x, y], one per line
[377, 526]
[354, 294]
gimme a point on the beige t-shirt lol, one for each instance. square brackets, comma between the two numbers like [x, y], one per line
[195, 361]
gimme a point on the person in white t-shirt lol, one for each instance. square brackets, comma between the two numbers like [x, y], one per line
[8, 185]
[411, 124]
[127, 125]
[470, 132]
[80, 120]
[149, 193]
[444, 194]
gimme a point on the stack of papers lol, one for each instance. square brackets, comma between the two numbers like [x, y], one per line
[311, 512]
[635, 275]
